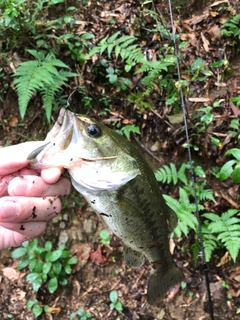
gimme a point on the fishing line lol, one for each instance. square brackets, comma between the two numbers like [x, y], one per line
[191, 166]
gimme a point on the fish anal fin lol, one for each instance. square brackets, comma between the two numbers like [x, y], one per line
[133, 259]
[161, 281]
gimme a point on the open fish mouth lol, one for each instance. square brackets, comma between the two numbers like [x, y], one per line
[68, 146]
[60, 140]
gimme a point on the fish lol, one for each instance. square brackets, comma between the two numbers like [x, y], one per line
[120, 186]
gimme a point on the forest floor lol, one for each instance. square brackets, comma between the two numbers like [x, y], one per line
[101, 268]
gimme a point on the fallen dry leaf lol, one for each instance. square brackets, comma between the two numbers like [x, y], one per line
[97, 257]
[214, 32]
[83, 253]
[11, 273]
[54, 310]
[205, 42]
[12, 121]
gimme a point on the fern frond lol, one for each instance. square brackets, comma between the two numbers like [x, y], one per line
[122, 46]
[47, 97]
[170, 174]
[184, 211]
[40, 74]
[27, 83]
[227, 226]
[204, 194]
[210, 241]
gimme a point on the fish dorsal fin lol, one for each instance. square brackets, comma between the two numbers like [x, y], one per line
[172, 220]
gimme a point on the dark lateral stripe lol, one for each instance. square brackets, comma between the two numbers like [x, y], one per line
[104, 214]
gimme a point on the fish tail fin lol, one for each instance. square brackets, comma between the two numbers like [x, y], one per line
[161, 281]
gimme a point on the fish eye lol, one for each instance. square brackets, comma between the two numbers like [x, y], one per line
[94, 131]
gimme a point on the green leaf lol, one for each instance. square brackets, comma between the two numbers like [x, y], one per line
[72, 260]
[65, 254]
[104, 234]
[25, 244]
[33, 245]
[19, 252]
[112, 78]
[174, 173]
[52, 285]
[63, 281]
[235, 152]
[226, 170]
[130, 128]
[44, 277]
[23, 263]
[80, 311]
[68, 19]
[39, 266]
[46, 267]
[55, 2]
[46, 308]
[110, 70]
[48, 245]
[118, 306]
[236, 174]
[33, 264]
[200, 172]
[68, 269]
[32, 276]
[57, 267]
[37, 284]
[37, 310]
[113, 37]
[54, 255]
[31, 303]
[113, 296]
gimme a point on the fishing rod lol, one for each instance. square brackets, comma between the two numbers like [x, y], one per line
[183, 106]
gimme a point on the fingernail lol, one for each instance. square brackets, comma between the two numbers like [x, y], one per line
[8, 210]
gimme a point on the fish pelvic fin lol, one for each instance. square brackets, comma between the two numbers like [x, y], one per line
[161, 282]
[133, 259]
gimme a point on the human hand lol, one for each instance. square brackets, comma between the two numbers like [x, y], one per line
[27, 198]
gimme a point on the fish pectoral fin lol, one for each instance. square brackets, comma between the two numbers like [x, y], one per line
[133, 259]
[161, 281]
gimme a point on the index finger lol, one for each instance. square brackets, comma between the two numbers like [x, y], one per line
[14, 157]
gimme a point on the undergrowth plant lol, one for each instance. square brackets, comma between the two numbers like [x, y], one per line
[155, 72]
[231, 167]
[115, 304]
[105, 237]
[23, 20]
[45, 264]
[36, 308]
[81, 315]
[40, 75]
[231, 28]
[222, 231]
[219, 231]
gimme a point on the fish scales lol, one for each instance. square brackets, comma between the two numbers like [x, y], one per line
[120, 186]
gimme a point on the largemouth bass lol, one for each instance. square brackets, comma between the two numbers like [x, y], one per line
[120, 186]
